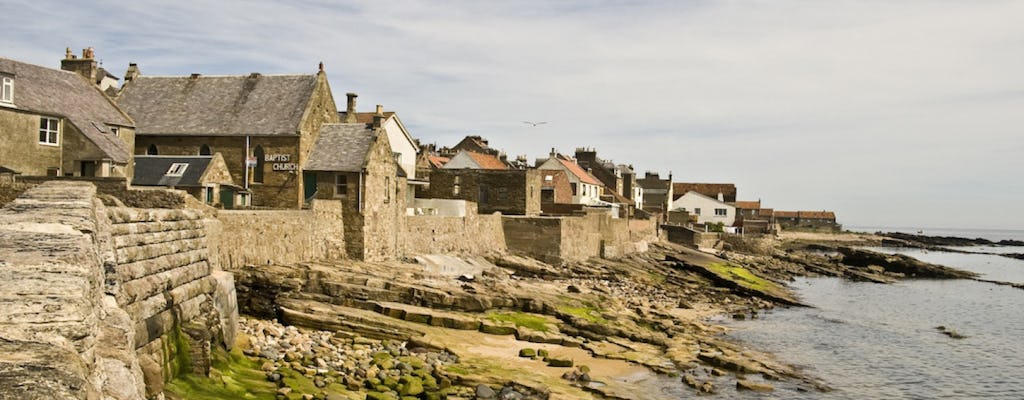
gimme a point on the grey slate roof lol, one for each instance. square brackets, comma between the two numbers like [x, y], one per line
[152, 170]
[341, 147]
[217, 105]
[66, 94]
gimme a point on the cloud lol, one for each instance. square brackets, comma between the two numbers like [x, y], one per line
[898, 113]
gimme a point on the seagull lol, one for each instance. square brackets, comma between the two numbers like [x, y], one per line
[535, 123]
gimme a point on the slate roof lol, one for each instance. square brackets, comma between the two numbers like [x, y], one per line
[236, 105]
[152, 170]
[708, 189]
[66, 94]
[341, 148]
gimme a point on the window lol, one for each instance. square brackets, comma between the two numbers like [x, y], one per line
[573, 187]
[115, 131]
[340, 185]
[696, 211]
[7, 93]
[548, 178]
[48, 131]
[151, 150]
[484, 197]
[257, 172]
[387, 189]
[720, 212]
[177, 169]
[204, 150]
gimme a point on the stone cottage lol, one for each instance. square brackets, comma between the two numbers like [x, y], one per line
[353, 162]
[585, 188]
[204, 177]
[657, 192]
[264, 125]
[59, 123]
[403, 146]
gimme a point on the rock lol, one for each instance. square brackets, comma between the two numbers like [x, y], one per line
[410, 386]
[743, 384]
[528, 353]
[494, 328]
[559, 362]
[485, 392]
[573, 289]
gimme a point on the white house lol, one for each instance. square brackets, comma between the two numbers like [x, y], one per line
[707, 209]
[586, 189]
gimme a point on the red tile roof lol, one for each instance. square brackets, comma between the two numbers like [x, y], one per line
[486, 161]
[787, 214]
[817, 214]
[437, 161]
[580, 173]
[749, 205]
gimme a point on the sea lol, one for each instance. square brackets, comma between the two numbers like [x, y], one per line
[877, 341]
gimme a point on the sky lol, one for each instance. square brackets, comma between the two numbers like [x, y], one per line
[891, 113]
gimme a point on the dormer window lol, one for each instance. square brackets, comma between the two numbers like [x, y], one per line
[177, 169]
[7, 91]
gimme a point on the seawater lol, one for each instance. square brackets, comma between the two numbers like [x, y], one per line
[874, 341]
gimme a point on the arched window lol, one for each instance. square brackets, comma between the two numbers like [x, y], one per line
[257, 173]
[151, 150]
[205, 150]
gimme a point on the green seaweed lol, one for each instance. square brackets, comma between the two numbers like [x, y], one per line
[520, 319]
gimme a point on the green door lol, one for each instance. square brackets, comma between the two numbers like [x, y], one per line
[227, 197]
[309, 184]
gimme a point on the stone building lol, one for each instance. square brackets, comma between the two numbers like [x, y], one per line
[509, 191]
[657, 192]
[264, 125]
[204, 177]
[59, 123]
[403, 146]
[812, 220]
[585, 188]
[466, 159]
[555, 187]
[353, 162]
[753, 218]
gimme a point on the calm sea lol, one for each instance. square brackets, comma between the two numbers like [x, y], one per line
[873, 341]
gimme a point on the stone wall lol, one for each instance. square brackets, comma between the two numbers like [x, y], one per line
[559, 240]
[433, 234]
[689, 237]
[510, 192]
[260, 237]
[62, 335]
[162, 276]
[101, 302]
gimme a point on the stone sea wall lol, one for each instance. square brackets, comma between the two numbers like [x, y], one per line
[239, 238]
[105, 302]
[433, 234]
[558, 240]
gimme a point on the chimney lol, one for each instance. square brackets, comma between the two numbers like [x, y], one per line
[721, 196]
[85, 66]
[132, 72]
[378, 117]
[553, 153]
[350, 111]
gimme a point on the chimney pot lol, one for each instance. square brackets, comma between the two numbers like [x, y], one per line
[67, 53]
[321, 66]
[380, 110]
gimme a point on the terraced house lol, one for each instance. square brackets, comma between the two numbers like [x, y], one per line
[263, 125]
[59, 123]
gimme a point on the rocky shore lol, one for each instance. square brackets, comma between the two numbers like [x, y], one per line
[507, 327]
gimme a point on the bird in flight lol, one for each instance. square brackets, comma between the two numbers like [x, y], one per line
[535, 123]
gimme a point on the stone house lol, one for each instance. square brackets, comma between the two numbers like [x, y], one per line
[508, 191]
[708, 210]
[806, 220]
[264, 125]
[354, 163]
[722, 191]
[204, 177]
[555, 187]
[59, 123]
[605, 171]
[657, 192]
[403, 146]
[585, 188]
[753, 218]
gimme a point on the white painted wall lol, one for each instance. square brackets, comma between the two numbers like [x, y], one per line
[400, 144]
[692, 202]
